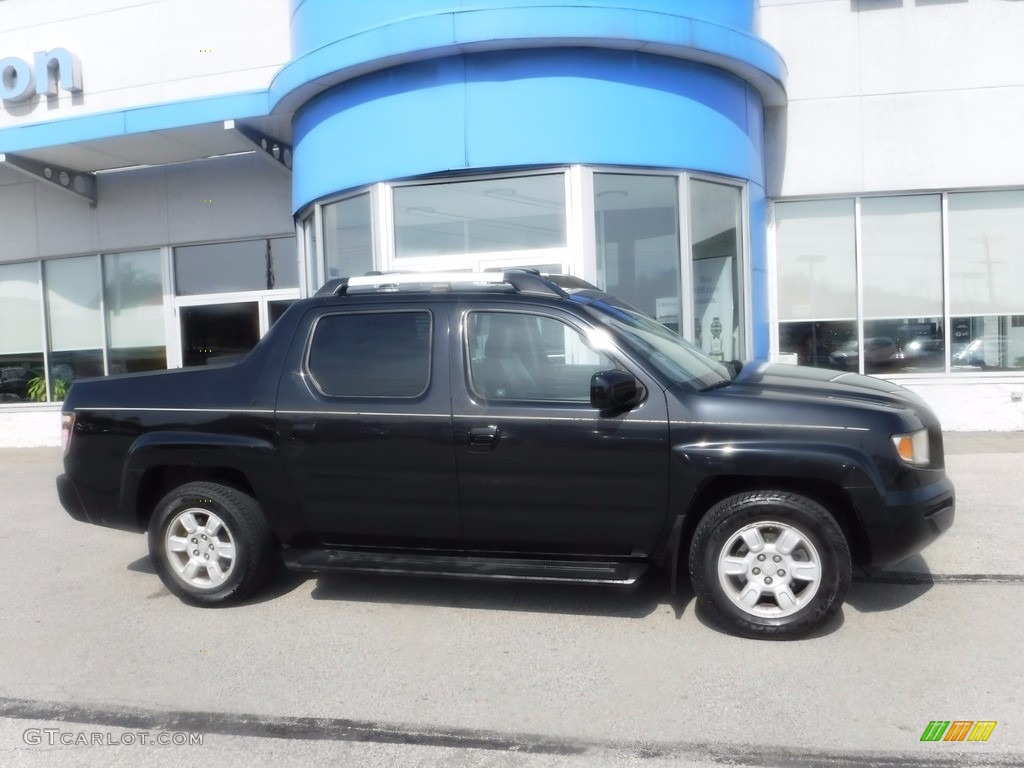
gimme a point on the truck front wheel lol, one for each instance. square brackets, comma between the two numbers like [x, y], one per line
[770, 564]
[210, 544]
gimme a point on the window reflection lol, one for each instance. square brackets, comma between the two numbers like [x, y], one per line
[716, 232]
[816, 260]
[637, 223]
[134, 299]
[245, 265]
[75, 326]
[348, 237]
[819, 344]
[21, 331]
[504, 214]
[903, 295]
[988, 343]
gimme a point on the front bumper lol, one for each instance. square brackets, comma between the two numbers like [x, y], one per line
[901, 524]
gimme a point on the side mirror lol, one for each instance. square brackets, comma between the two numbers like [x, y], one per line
[611, 390]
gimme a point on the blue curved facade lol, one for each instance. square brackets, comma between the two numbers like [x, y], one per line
[524, 108]
[418, 88]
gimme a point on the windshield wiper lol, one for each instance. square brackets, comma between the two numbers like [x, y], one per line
[717, 385]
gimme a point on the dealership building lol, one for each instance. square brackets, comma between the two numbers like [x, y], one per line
[833, 183]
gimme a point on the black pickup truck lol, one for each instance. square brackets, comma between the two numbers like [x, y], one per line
[510, 426]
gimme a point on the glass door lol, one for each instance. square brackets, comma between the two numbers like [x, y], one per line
[223, 328]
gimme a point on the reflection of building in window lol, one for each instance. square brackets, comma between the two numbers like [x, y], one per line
[902, 297]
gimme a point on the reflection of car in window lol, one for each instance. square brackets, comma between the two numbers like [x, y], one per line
[14, 383]
[879, 352]
[922, 353]
[991, 353]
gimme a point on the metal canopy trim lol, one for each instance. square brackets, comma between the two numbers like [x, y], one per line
[78, 183]
[274, 150]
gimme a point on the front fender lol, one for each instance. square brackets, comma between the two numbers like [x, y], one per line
[845, 466]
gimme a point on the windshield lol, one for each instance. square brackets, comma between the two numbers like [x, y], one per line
[666, 350]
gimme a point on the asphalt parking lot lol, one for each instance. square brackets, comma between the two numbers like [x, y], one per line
[97, 658]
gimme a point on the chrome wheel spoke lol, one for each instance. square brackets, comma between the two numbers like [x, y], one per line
[177, 543]
[785, 598]
[188, 520]
[805, 570]
[190, 570]
[216, 575]
[225, 550]
[734, 566]
[213, 525]
[788, 540]
[753, 539]
[750, 595]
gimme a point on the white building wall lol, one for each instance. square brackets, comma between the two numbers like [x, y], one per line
[221, 198]
[139, 52]
[896, 95]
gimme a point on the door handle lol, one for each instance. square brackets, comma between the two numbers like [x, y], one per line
[303, 430]
[483, 436]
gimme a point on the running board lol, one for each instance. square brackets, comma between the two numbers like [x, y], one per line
[517, 569]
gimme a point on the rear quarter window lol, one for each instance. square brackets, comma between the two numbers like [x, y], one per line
[371, 354]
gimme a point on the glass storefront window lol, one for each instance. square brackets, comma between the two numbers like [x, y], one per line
[901, 248]
[21, 332]
[820, 344]
[244, 265]
[986, 253]
[75, 325]
[492, 215]
[904, 345]
[348, 237]
[716, 236]
[904, 299]
[637, 228]
[503, 222]
[901, 252]
[988, 343]
[816, 252]
[134, 301]
[986, 269]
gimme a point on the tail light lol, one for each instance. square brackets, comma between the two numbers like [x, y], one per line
[67, 426]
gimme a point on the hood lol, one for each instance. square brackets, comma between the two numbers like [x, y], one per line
[816, 383]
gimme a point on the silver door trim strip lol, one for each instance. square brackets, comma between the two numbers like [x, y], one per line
[171, 410]
[767, 426]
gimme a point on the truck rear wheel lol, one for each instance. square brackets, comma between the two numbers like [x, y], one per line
[770, 564]
[210, 544]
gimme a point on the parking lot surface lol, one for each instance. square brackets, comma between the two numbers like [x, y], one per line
[97, 658]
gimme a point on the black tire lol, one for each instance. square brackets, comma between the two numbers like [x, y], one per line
[744, 587]
[233, 544]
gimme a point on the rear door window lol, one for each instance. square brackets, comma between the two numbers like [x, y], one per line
[371, 354]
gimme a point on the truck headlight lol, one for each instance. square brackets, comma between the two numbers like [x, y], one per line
[913, 447]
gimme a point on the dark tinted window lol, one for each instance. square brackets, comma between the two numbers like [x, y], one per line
[371, 354]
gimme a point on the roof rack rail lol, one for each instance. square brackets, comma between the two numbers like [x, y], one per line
[526, 281]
